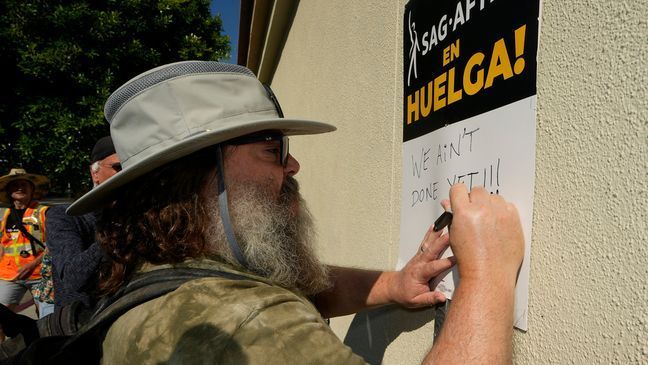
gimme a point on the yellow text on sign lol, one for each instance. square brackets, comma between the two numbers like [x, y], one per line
[445, 89]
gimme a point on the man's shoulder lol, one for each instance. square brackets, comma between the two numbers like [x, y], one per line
[214, 316]
[58, 213]
[221, 301]
[247, 291]
[224, 285]
[224, 289]
[57, 210]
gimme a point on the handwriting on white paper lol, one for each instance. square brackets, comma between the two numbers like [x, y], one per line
[463, 145]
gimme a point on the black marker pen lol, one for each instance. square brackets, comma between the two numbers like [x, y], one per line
[444, 219]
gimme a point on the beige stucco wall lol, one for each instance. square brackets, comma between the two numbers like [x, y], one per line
[342, 62]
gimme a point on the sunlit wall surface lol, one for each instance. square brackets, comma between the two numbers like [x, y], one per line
[342, 63]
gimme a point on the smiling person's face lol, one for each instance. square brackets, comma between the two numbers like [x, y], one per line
[21, 191]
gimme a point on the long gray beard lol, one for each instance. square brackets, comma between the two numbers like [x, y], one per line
[276, 242]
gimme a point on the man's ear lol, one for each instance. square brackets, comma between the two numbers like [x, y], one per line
[93, 174]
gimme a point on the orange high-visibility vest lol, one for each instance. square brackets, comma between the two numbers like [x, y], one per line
[14, 242]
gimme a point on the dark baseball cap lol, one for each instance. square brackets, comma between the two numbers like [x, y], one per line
[102, 149]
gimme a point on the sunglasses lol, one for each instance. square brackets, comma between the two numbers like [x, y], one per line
[283, 143]
[115, 166]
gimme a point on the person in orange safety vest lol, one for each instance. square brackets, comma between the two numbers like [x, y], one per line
[23, 237]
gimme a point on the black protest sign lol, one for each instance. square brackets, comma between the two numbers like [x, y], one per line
[465, 57]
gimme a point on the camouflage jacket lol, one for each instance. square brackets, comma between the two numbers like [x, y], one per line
[223, 321]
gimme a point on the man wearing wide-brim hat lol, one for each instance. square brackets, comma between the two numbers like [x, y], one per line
[207, 182]
[23, 239]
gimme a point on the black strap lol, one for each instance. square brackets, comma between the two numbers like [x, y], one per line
[139, 290]
[23, 230]
[170, 278]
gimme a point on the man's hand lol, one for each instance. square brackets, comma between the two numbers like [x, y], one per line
[486, 236]
[409, 286]
[487, 241]
[356, 289]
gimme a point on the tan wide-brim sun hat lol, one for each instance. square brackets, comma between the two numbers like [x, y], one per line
[177, 109]
[41, 184]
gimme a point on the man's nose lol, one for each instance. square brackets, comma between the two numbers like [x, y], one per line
[292, 166]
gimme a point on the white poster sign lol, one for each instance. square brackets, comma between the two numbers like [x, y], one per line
[469, 115]
[491, 150]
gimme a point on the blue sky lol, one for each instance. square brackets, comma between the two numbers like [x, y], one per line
[229, 11]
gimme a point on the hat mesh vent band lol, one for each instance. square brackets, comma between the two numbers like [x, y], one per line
[123, 94]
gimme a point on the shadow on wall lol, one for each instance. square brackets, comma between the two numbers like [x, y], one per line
[372, 331]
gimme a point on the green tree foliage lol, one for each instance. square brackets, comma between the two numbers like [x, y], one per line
[60, 61]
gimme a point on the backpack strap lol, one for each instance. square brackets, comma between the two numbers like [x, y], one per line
[32, 240]
[141, 289]
[37, 215]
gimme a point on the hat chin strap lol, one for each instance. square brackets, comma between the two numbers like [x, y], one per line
[224, 210]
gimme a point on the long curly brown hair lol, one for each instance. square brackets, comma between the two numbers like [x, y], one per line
[159, 218]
